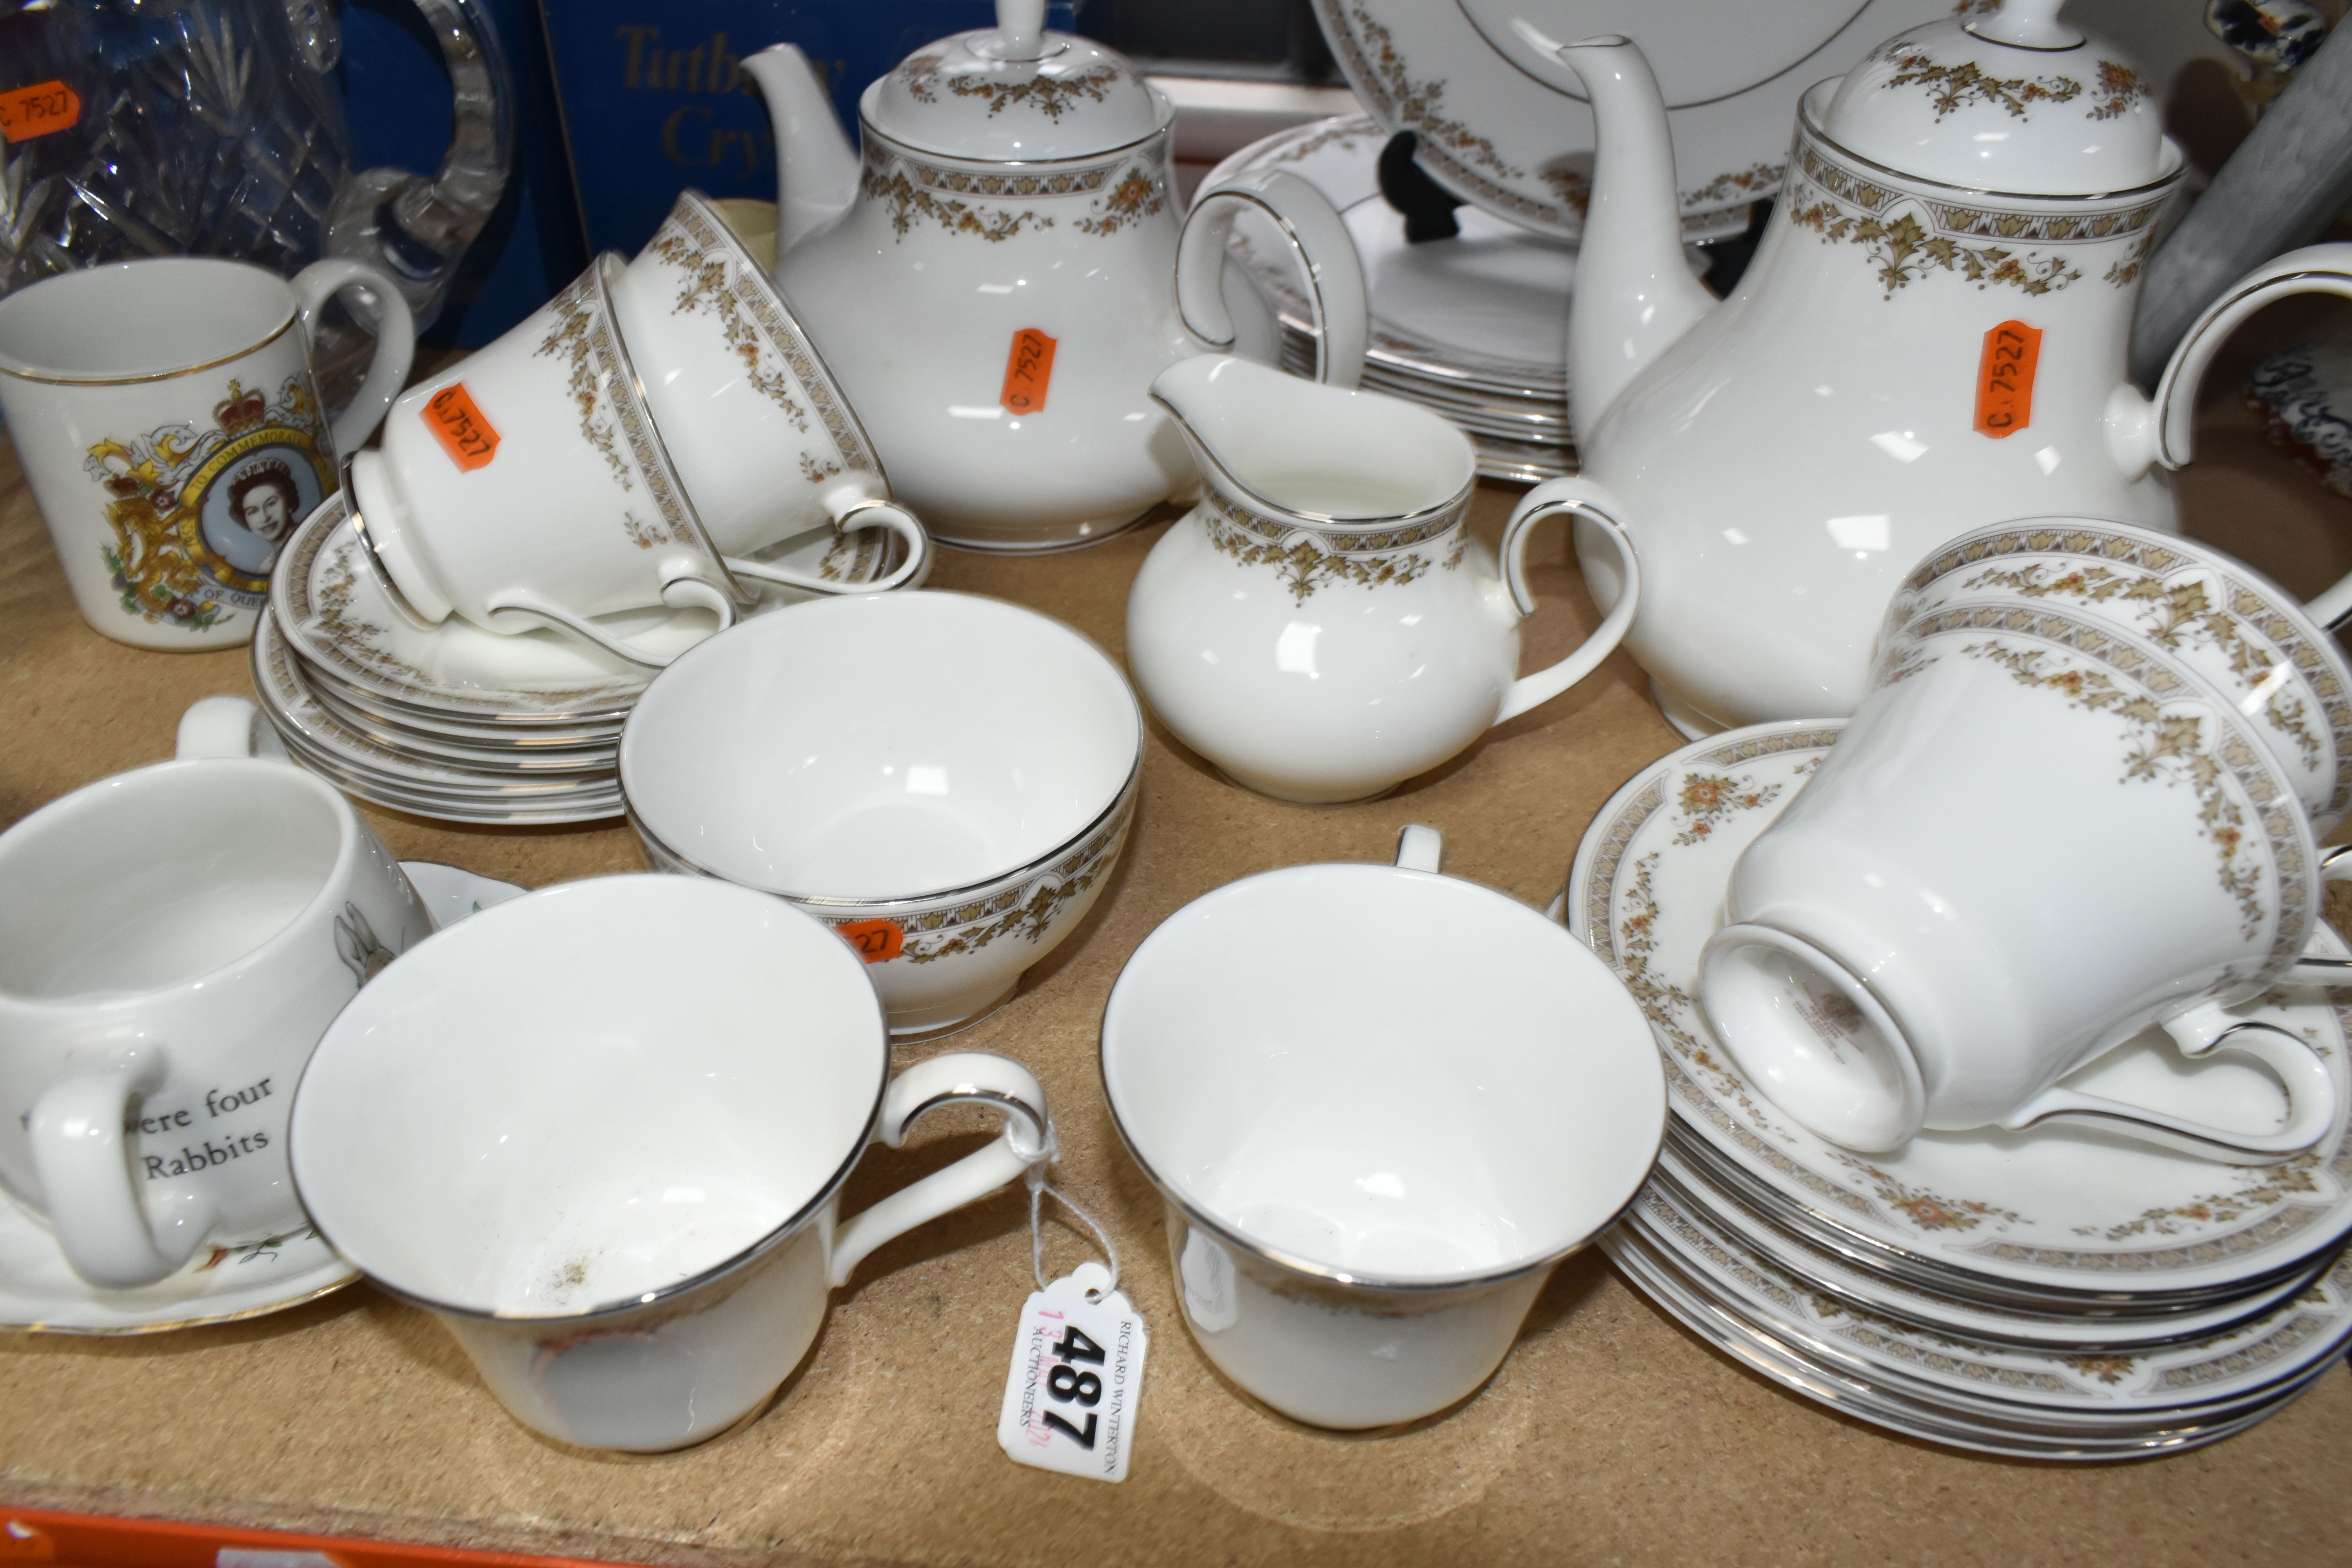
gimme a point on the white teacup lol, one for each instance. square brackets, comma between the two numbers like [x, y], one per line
[755, 422]
[172, 942]
[947, 780]
[170, 429]
[2037, 836]
[1380, 1105]
[601, 1131]
[528, 485]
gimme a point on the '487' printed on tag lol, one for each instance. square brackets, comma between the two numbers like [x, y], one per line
[1076, 1380]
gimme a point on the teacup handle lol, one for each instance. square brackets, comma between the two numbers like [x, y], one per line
[76, 1133]
[228, 727]
[395, 340]
[1335, 274]
[957, 1077]
[1588, 502]
[2140, 432]
[679, 593]
[863, 514]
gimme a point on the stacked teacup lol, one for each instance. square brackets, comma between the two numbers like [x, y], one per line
[655, 454]
[2011, 1108]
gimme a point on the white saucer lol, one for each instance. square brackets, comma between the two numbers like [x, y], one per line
[39, 1294]
[2043, 1219]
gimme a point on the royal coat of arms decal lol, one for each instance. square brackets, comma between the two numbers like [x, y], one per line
[198, 515]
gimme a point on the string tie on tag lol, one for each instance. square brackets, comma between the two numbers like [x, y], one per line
[1047, 1154]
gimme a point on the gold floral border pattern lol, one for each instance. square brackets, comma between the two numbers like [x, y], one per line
[2244, 600]
[2288, 1336]
[915, 191]
[1307, 556]
[1050, 96]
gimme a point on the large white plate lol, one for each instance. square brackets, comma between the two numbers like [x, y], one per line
[2061, 1212]
[1492, 128]
[39, 1294]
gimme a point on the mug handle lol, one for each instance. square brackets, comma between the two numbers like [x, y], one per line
[396, 340]
[230, 728]
[679, 593]
[960, 1077]
[1335, 274]
[2141, 433]
[863, 514]
[1593, 504]
[79, 1153]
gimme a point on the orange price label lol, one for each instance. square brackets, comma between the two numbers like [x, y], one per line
[1027, 370]
[2005, 379]
[470, 438]
[876, 941]
[29, 112]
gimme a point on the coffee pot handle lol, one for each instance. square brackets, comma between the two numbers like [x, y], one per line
[1592, 507]
[861, 515]
[2141, 432]
[388, 358]
[80, 1156]
[978, 1077]
[1306, 217]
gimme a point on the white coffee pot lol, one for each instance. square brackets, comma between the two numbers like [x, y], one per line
[990, 280]
[1931, 337]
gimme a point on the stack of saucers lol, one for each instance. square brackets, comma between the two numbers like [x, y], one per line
[1473, 328]
[463, 724]
[2057, 1294]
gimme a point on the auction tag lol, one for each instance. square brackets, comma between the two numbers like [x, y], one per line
[877, 940]
[1028, 370]
[1077, 1383]
[470, 438]
[29, 112]
[2012, 351]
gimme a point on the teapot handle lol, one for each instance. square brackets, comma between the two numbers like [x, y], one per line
[1592, 504]
[1335, 275]
[2140, 432]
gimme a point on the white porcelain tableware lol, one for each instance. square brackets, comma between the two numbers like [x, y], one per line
[173, 941]
[748, 411]
[528, 486]
[1320, 626]
[1501, 124]
[2246, 638]
[168, 423]
[1932, 335]
[1378, 1130]
[944, 779]
[601, 1132]
[2036, 837]
[2061, 1219]
[991, 283]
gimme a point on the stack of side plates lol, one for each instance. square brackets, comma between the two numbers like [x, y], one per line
[1473, 327]
[463, 724]
[2061, 1294]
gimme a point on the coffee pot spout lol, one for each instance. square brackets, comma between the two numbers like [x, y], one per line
[1635, 292]
[816, 168]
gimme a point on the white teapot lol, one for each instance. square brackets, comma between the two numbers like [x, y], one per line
[1931, 337]
[1320, 626]
[991, 284]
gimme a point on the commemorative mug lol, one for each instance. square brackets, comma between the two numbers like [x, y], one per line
[1379, 1104]
[955, 821]
[601, 1131]
[2038, 835]
[170, 429]
[172, 942]
[757, 423]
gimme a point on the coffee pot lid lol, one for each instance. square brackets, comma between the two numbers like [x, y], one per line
[2007, 99]
[1014, 93]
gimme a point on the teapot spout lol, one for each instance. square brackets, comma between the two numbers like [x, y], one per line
[1635, 292]
[816, 168]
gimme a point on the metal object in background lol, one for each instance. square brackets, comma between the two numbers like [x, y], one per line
[212, 127]
[2288, 180]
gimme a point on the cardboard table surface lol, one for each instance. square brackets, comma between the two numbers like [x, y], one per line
[1609, 1436]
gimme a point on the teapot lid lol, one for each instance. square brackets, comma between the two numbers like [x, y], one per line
[1014, 93]
[2004, 100]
